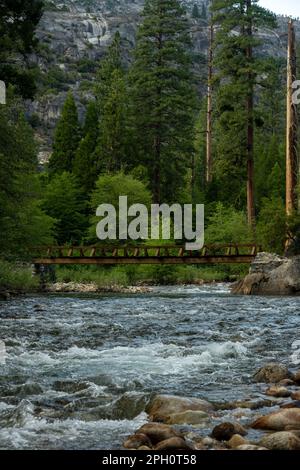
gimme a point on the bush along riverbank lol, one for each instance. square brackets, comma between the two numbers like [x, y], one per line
[16, 278]
[137, 278]
[191, 423]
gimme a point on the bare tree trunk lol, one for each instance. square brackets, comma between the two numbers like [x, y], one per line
[250, 126]
[291, 125]
[209, 107]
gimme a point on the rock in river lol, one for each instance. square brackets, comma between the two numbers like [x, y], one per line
[272, 373]
[280, 420]
[225, 431]
[278, 392]
[188, 417]
[271, 274]
[173, 443]
[157, 432]
[137, 440]
[162, 407]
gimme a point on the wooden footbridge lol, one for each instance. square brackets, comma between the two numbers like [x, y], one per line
[145, 254]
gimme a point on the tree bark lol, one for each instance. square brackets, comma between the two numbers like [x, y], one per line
[291, 126]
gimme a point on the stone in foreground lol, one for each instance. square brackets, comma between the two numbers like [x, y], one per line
[281, 441]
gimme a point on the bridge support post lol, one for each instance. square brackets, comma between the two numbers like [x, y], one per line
[39, 270]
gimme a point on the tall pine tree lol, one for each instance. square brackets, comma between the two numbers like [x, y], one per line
[66, 138]
[239, 71]
[111, 94]
[163, 97]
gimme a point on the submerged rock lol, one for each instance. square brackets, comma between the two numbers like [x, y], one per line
[281, 441]
[162, 407]
[271, 274]
[272, 373]
[225, 431]
[279, 420]
[188, 417]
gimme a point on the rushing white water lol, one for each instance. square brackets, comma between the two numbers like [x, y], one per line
[78, 371]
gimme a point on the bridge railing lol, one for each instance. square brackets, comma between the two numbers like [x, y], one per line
[138, 251]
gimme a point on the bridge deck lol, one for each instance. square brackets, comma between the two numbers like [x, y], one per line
[164, 254]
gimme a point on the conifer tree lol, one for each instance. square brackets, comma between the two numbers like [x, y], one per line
[111, 145]
[163, 97]
[108, 65]
[66, 138]
[195, 11]
[239, 69]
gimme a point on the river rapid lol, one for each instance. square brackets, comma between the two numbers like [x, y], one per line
[79, 371]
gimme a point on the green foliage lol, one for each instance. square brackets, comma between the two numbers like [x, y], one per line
[272, 225]
[66, 138]
[108, 66]
[17, 277]
[64, 201]
[110, 188]
[227, 225]
[112, 139]
[162, 92]
[22, 222]
[18, 21]
[239, 75]
[85, 166]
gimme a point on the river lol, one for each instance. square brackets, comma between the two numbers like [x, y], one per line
[79, 370]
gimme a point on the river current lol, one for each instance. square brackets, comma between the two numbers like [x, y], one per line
[78, 371]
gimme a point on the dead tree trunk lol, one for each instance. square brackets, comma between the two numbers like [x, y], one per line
[250, 124]
[291, 125]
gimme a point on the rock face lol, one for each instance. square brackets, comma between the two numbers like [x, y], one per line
[272, 373]
[271, 274]
[163, 407]
[75, 34]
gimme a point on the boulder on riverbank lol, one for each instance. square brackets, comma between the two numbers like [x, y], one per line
[271, 274]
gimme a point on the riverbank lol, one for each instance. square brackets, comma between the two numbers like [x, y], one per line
[175, 423]
[18, 278]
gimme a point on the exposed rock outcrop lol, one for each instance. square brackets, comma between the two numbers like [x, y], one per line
[271, 274]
